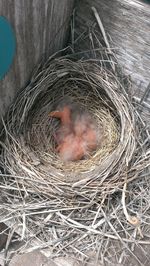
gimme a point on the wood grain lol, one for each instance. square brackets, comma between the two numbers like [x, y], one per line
[127, 24]
[41, 27]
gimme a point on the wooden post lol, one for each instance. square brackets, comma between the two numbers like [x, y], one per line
[127, 25]
[41, 27]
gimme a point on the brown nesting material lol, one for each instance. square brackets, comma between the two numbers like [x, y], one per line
[31, 129]
[53, 191]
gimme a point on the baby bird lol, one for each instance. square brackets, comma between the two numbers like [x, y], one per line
[85, 128]
[65, 128]
[77, 135]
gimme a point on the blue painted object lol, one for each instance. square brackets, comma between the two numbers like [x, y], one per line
[7, 46]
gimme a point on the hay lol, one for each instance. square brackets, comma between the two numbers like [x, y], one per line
[30, 130]
[69, 206]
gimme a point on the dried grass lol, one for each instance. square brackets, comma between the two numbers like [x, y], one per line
[77, 206]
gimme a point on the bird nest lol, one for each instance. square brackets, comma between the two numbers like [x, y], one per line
[30, 143]
[53, 191]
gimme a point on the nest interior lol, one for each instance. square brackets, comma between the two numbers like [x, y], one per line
[53, 195]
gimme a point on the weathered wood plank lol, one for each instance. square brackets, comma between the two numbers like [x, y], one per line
[41, 27]
[127, 22]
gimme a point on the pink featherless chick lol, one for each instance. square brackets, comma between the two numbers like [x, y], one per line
[76, 136]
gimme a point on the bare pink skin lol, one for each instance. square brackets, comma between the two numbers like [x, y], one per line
[66, 125]
[75, 137]
[71, 149]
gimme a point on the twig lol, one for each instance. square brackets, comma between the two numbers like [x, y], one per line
[133, 220]
[100, 24]
[145, 94]
[101, 28]
[10, 236]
